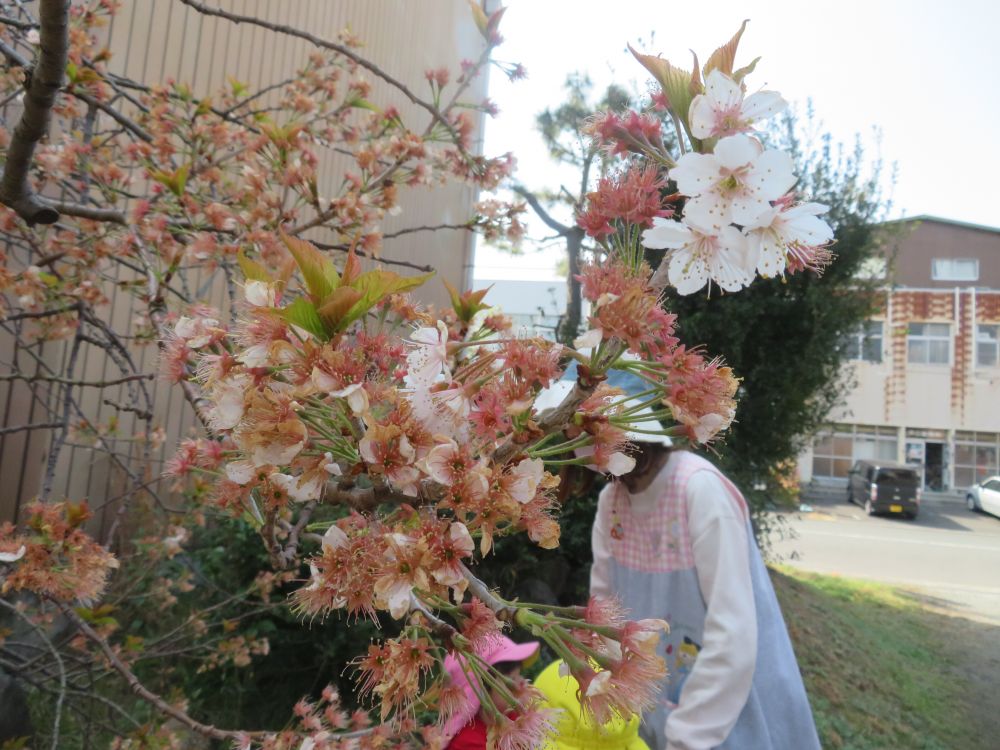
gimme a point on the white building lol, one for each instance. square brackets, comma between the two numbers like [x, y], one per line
[927, 367]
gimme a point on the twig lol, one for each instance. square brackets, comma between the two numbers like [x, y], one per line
[59, 662]
[145, 693]
[553, 224]
[363, 254]
[29, 427]
[43, 87]
[340, 49]
[81, 383]
[482, 592]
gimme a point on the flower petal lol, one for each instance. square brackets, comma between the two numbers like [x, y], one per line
[771, 174]
[666, 233]
[9, 557]
[686, 272]
[737, 151]
[695, 173]
[723, 90]
[762, 105]
[701, 116]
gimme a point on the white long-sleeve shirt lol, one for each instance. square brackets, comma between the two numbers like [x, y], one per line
[718, 686]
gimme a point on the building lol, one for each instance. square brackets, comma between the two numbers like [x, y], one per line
[153, 42]
[534, 307]
[926, 369]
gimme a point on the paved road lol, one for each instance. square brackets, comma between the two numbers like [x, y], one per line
[948, 555]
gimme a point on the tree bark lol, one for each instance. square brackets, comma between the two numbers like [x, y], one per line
[42, 89]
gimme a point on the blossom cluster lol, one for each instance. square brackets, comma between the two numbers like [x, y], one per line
[734, 213]
[53, 557]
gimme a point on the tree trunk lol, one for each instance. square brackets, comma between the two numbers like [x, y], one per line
[569, 326]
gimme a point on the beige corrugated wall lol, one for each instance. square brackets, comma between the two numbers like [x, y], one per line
[153, 40]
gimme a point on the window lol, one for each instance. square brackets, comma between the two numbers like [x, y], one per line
[993, 484]
[928, 344]
[955, 269]
[976, 457]
[987, 345]
[865, 344]
[834, 453]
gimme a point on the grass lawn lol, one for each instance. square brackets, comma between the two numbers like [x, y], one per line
[882, 671]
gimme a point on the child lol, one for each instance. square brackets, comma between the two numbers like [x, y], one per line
[672, 540]
[573, 729]
[467, 730]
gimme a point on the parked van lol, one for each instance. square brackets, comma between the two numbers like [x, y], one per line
[885, 487]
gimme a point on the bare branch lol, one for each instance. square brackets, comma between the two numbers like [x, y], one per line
[363, 254]
[539, 209]
[29, 427]
[482, 592]
[81, 383]
[340, 49]
[43, 87]
[145, 693]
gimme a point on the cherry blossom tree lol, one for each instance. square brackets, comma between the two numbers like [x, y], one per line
[377, 447]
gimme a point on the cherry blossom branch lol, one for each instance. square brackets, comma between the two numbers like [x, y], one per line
[145, 693]
[43, 86]
[479, 589]
[369, 498]
[553, 421]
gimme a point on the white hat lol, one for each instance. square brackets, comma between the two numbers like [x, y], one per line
[628, 382]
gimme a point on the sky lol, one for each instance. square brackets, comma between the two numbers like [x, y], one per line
[923, 73]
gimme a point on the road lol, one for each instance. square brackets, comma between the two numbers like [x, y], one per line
[948, 555]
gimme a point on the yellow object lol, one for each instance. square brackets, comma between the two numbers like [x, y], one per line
[574, 730]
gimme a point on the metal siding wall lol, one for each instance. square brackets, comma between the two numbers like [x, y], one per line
[156, 40]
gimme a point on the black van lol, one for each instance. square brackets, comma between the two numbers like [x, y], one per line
[885, 487]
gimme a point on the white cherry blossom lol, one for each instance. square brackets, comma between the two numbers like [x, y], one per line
[227, 402]
[296, 489]
[722, 111]
[735, 183]
[701, 253]
[782, 229]
[429, 358]
[527, 475]
[9, 557]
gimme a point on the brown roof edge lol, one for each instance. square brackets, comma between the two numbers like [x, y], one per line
[942, 220]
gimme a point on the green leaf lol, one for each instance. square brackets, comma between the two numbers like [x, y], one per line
[318, 271]
[252, 270]
[725, 56]
[337, 304]
[376, 286]
[480, 17]
[302, 313]
[361, 103]
[746, 70]
[676, 83]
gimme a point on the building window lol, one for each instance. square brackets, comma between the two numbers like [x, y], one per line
[835, 452]
[955, 269]
[977, 456]
[928, 344]
[987, 345]
[865, 344]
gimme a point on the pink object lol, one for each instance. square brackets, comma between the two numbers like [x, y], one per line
[492, 651]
